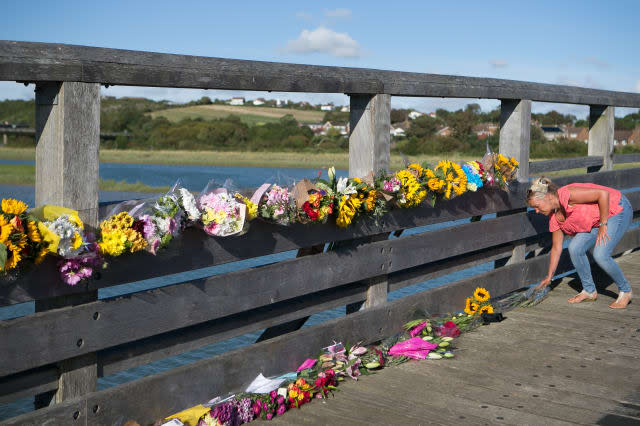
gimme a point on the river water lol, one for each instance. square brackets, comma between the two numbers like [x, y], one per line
[195, 178]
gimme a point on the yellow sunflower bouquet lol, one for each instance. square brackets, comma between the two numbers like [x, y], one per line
[447, 180]
[479, 303]
[20, 239]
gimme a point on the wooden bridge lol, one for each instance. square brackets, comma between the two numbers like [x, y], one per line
[58, 353]
[553, 364]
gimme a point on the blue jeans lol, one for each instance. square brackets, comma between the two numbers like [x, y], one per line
[583, 241]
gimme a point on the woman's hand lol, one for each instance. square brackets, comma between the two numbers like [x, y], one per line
[603, 236]
[545, 282]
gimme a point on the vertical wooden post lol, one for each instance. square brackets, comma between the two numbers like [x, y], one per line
[515, 141]
[67, 142]
[369, 151]
[601, 127]
[4, 139]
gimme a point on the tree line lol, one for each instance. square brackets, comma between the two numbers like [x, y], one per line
[130, 116]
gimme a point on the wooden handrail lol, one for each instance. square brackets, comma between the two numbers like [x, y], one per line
[38, 62]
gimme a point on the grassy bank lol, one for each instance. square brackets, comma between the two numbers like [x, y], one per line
[250, 115]
[236, 159]
[21, 174]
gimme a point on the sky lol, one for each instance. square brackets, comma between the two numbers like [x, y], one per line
[590, 44]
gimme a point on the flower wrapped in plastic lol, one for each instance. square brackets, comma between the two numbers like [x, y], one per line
[61, 229]
[275, 204]
[446, 180]
[120, 233]
[411, 193]
[222, 215]
[499, 170]
[20, 239]
[314, 204]
[474, 178]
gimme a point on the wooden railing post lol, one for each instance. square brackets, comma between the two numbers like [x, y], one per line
[601, 128]
[515, 141]
[369, 151]
[67, 142]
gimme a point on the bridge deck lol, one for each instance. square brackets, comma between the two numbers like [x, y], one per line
[551, 364]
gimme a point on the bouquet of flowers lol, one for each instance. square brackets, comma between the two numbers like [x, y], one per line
[446, 180]
[20, 238]
[314, 203]
[499, 170]
[120, 234]
[478, 303]
[61, 229]
[411, 193]
[275, 204]
[222, 215]
[474, 171]
[83, 266]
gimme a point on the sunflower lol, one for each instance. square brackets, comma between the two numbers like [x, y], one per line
[12, 206]
[416, 169]
[32, 232]
[12, 260]
[481, 294]
[5, 229]
[467, 306]
[486, 309]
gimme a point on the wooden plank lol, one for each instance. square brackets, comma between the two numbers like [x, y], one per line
[626, 158]
[601, 126]
[537, 167]
[263, 238]
[515, 129]
[25, 61]
[67, 140]
[369, 140]
[182, 305]
[26, 384]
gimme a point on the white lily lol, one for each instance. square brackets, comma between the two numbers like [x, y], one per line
[332, 173]
[345, 188]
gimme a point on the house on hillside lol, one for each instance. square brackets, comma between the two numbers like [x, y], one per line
[415, 114]
[397, 131]
[635, 136]
[280, 103]
[432, 114]
[326, 107]
[578, 133]
[345, 108]
[622, 137]
[258, 102]
[445, 131]
[553, 132]
[484, 130]
[236, 101]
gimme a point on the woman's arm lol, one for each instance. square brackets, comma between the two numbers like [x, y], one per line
[592, 196]
[556, 250]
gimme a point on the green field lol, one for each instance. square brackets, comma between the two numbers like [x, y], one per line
[250, 115]
[231, 158]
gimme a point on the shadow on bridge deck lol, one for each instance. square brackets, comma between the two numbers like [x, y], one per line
[554, 363]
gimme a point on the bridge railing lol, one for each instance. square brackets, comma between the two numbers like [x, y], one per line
[59, 352]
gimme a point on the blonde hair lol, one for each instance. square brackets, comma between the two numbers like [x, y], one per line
[540, 187]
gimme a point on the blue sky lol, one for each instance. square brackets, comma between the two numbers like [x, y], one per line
[582, 43]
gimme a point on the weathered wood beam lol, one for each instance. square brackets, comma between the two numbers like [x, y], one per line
[515, 141]
[601, 127]
[566, 164]
[35, 62]
[67, 142]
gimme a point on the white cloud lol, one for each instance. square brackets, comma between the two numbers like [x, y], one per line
[304, 16]
[498, 63]
[338, 13]
[324, 40]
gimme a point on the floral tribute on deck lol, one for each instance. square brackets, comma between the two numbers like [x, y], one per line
[429, 337]
[28, 236]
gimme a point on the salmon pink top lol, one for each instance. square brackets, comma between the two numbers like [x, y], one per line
[582, 217]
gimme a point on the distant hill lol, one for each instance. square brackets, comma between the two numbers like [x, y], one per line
[248, 114]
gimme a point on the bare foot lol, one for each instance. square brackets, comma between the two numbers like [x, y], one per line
[583, 296]
[624, 298]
